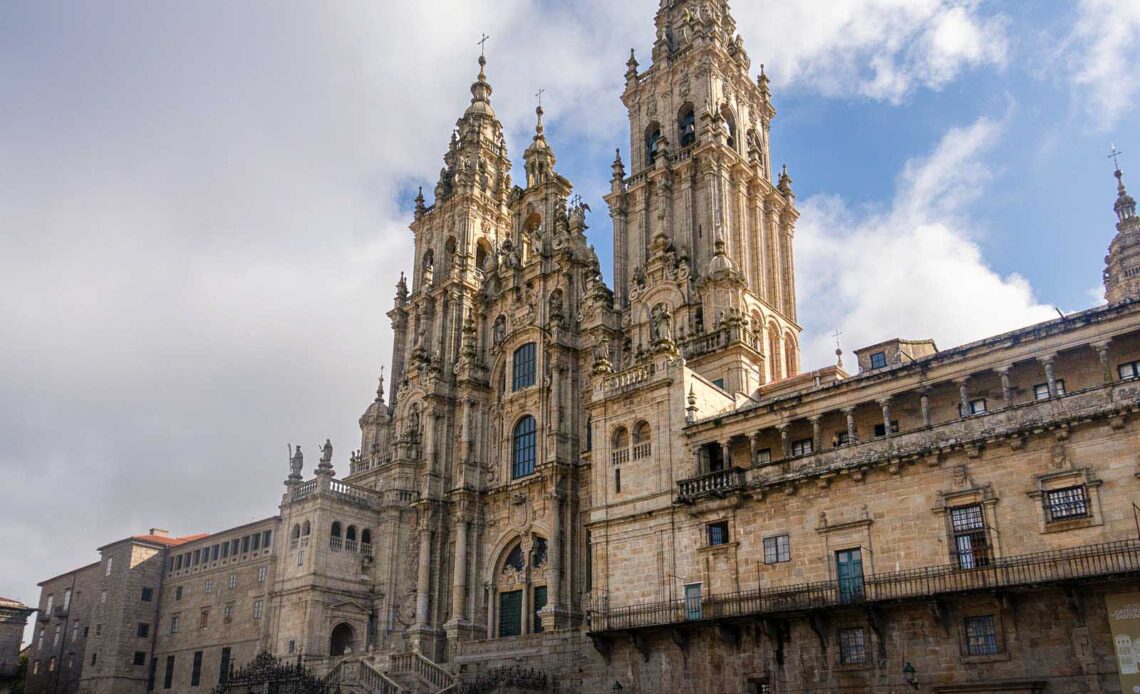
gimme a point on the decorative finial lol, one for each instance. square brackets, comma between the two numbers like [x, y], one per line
[631, 67]
[482, 43]
[1125, 206]
[380, 388]
[538, 129]
[838, 349]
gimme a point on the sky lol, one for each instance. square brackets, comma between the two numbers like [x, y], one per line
[204, 208]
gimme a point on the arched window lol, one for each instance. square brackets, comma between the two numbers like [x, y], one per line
[523, 367]
[350, 538]
[520, 587]
[523, 448]
[336, 542]
[774, 352]
[687, 125]
[652, 141]
[306, 529]
[335, 529]
[790, 365]
[729, 123]
[482, 251]
[366, 542]
[619, 446]
[642, 436]
[296, 531]
[342, 640]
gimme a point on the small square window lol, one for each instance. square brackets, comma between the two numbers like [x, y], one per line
[147, 594]
[143, 630]
[777, 549]
[1041, 390]
[977, 406]
[718, 533]
[140, 658]
[852, 646]
[881, 429]
[878, 360]
[801, 447]
[178, 593]
[1067, 503]
[1129, 371]
[763, 456]
[981, 636]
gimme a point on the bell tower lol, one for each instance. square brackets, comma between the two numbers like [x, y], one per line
[701, 182]
[1122, 264]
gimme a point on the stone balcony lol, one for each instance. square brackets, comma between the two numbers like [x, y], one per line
[336, 489]
[1058, 567]
[1006, 426]
[717, 484]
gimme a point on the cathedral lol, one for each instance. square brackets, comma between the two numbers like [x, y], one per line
[568, 487]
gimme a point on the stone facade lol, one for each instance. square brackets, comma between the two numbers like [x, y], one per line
[13, 619]
[638, 487]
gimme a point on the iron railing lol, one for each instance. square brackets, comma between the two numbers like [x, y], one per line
[1084, 562]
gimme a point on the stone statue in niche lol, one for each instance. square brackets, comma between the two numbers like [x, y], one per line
[499, 331]
[661, 324]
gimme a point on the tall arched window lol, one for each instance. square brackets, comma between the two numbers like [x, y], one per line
[306, 529]
[652, 141]
[687, 125]
[350, 538]
[366, 542]
[642, 436]
[523, 367]
[520, 588]
[523, 448]
[619, 446]
[336, 542]
[729, 123]
[790, 366]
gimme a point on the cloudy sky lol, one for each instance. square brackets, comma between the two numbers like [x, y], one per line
[204, 208]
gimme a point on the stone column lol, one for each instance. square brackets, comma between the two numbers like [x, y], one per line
[885, 403]
[726, 454]
[1050, 374]
[850, 412]
[556, 395]
[554, 582]
[964, 396]
[423, 576]
[816, 432]
[785, 444]
[467, 436]
[753, 447]
[1102, 354]
[459, 575]
[429, 439]
[699, 458]
[1006, 385]
[924, 405]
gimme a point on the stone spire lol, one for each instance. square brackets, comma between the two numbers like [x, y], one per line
[1122, 264]
[538, 159]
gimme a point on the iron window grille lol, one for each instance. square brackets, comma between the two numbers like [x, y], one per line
[522, 367]
[718, 533]
[1066, 504]
[852, 646]
[971, 541]
[777, 549]
[981, 636]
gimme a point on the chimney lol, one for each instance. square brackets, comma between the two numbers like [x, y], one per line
[159, 532]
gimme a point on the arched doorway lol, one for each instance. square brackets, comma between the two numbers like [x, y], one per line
[342, 640]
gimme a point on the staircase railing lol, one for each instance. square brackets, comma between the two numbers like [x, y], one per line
[359, 672]
[436, 676]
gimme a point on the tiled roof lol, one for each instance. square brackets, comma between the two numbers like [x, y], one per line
[169, 541]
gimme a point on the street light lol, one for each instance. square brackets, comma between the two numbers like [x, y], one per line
[910, 675]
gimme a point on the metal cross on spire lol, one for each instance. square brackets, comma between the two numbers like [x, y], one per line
[836, 335]
[539, 95]
[1115, 157]
[482, 43]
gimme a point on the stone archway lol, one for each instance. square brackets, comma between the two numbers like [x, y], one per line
[342, 640]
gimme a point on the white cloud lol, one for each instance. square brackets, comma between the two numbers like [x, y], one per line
[879, 49]
[1104, 50]
[911, 270]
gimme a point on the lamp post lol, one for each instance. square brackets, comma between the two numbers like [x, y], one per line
[910, 675]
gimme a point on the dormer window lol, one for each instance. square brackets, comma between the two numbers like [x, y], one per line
[878, 360]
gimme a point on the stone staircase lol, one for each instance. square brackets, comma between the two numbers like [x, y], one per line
[406, 673]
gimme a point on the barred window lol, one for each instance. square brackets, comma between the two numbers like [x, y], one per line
[981, 636]
[971, 542]
[522, 367]
[1063, 504]
[523, 448]
[718, 533]
[852, 646]
[777, 549]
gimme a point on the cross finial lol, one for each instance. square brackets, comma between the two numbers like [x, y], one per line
[539, 95]
[483, 45]
[1115, 157]
[836, 335]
